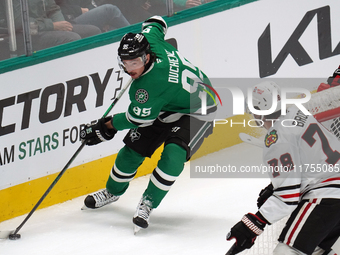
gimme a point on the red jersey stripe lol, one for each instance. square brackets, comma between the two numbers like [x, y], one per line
[299, 221]
[290, 195]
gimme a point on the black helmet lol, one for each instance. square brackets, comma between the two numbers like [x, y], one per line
[133, 46]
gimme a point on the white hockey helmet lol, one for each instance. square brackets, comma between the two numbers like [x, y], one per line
[262, 96]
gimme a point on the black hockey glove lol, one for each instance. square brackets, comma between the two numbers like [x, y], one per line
[264, 195]
[97, 133]
[246, 231]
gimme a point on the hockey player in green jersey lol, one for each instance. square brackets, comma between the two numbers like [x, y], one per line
[172, 103]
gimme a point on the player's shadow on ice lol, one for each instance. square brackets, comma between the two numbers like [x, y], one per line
[121, 217]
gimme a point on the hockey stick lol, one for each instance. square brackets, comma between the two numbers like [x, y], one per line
[251, 140]
[13, 235]
[231, 250]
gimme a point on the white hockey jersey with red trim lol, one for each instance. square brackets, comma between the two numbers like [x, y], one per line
[304, 159]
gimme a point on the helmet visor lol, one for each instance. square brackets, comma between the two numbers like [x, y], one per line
[131, 64]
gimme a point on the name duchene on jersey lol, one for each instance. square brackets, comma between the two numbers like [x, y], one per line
[173, 67]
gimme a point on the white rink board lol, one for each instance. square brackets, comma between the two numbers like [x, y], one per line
[36, 153]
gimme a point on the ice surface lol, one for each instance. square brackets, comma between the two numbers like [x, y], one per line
[194, 217]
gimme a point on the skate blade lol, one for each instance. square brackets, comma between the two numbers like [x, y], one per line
[85, 208]
[5, 234]
[136, 229]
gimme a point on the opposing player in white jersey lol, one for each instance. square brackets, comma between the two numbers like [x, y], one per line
[305, 181]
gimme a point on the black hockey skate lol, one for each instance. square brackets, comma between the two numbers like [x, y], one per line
[99, 199]
[142, 215]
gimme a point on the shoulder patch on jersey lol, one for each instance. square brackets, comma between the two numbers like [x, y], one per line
[271, 138]
[141, 96]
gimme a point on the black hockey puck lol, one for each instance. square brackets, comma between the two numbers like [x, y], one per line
[14, 236]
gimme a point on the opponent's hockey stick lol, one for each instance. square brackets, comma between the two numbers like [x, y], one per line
[251, 140]
[13, 234]
[231, 250]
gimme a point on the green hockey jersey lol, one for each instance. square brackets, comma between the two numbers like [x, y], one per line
[171, 87]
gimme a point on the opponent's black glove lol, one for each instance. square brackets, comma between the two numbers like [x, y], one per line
[246, 231]
[98, 132]
[264, 195]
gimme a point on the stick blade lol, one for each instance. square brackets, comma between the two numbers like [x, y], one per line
[5, 234]
[251, 140]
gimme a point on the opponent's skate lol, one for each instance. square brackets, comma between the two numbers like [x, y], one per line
[142, 215]
[99, 199]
